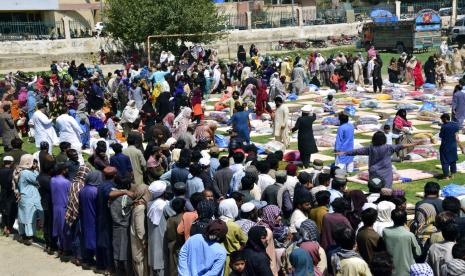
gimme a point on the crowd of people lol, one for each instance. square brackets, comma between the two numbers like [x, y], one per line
[139, 186]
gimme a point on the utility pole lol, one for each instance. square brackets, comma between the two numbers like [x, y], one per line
[293, 18]
[454, 13]
[101, 10]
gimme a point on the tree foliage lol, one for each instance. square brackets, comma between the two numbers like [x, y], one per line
[132, 21]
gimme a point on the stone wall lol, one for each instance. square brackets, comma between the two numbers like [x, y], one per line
[40, 53]
[267, 39]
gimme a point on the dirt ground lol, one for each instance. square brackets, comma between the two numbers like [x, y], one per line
[19, 260]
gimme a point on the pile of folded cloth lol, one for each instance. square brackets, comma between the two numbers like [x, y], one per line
[219, 116]
[274, 146]
[424, 138]
[320, 130]
[426, 115]
[407, 106]
[369, 103]
[423, 152]
[331, 121]
[367, 120]
[368, 127]
[425, 97]
[398, 93]
[326, 141]
[261, 126]
[383, 97]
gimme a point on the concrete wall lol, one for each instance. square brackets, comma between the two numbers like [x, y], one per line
[267, 39]
[40, 53]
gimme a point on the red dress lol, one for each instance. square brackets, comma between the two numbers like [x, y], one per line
[418, 75]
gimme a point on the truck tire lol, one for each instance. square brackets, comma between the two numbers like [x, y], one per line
[400, 48]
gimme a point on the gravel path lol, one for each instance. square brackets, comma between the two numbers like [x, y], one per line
[19, 260]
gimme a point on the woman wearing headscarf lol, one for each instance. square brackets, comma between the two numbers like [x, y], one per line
[88, 218]
[204, 254]
[262, 99]
[181, 122]
[358, 199]
[402, 126]
[196, 103]
[206, 213]
[430, 70]
[216, 86]
[129, 116]
[301, 262]
[241, 54]
[308, 241]
[156, 226]
[257, 260]
[235, 238]
[168, 121]
[418, 74]
[162, 105]
[271, 218]
[29, 206]
[148, 114]
[384, 216]
[137, 229]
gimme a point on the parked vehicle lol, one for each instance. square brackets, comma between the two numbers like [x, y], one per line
[388, 33]
[317, 43]
[282, 44]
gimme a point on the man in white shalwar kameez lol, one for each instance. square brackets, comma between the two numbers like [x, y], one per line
[70, 131]
[43, 128]
[281, 125]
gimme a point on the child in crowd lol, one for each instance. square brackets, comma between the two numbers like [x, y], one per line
[329, 105]
[237, 263]
[389, 135]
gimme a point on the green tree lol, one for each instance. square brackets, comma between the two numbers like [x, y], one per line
[132, 21]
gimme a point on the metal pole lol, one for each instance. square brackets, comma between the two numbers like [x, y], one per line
[454, 13]
[148, 51]
[101, 10]
[293, 18]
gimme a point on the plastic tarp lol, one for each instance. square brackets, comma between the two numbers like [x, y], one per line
[453, 190]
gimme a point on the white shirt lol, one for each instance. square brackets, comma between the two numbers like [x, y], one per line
[389, 137]
[43, 129]
[297, 218]
[265, 180]
[69, 130]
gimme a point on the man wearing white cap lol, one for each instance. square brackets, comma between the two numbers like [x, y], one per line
[305, 139]
[249, 216]
[156, 225]
[206, 177]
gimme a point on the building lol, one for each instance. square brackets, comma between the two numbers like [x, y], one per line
[86, 12]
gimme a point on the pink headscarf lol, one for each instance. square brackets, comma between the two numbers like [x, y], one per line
[168, 120]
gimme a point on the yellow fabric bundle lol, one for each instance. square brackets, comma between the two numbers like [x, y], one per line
[383, 97]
